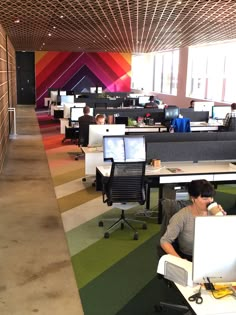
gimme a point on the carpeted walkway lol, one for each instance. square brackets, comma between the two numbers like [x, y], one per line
[114, 276]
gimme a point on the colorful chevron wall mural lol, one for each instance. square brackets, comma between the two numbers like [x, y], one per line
[77, 71]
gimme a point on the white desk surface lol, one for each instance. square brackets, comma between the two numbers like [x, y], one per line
[210, 305]
[214, 169]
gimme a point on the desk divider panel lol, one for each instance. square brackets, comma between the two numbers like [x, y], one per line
[191, 151]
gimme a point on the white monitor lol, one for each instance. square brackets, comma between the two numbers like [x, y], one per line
[135, 148]
[67, 107]
[76, 112]
[96, 89]
[204, 107]
[53, 96]
[96, 133]
[62, 93]
[220, 111]
[124, 148]
[214, 255]
[67, 99]
[142, 100]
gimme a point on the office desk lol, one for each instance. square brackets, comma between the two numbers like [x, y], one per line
[204, 126]
[146, 129]
[213, 171]
[210, 305]
[93, 157]
[195, 126]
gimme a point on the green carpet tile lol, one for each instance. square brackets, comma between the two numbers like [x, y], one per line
[117, 285]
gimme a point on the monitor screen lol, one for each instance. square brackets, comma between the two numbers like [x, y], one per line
[219, 112]
[67, 107]
[53, 96]
[213, 253]
[124, 149]
[62, 93]
[96, 133]
[67, 99]
[122, 120]
[96, 89]
[142, 100]
[203, 107]
[76, 112]
[135, 148]
[171, 112]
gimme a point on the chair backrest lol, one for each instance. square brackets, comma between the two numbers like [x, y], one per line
[181, 124]
[169, 208]
[84, 133]
[232, 124]
[126, 183]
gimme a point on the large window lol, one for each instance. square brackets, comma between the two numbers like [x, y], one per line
[156, 72]
[166, 72]
[211, 72]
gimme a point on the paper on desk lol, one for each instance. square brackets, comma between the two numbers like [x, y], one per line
[181, 267]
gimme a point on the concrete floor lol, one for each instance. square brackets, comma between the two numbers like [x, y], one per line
[36, 274]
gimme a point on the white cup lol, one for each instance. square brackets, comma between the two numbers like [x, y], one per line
[213, 209]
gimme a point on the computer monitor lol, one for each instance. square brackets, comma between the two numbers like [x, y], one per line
[67, 107]
[135, 148]
[124, 148]
[122, 120]
[97, 132]
[214, 256]
[75, 113]
[62, 93]
[203, 107]
[171, 112]
[96, 89]
[220, 111]
[67, 99]
[142, 100]
[53, 95]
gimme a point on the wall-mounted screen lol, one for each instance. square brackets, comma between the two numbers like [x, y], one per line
[97, 132]
[124, 149]
[219, 112]
[213, 254]
[203, 107]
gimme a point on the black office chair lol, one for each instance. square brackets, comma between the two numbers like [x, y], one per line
[169, 208]
[126, 184]
[83, 137]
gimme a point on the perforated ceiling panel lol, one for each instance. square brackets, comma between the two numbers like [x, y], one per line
[116, 25]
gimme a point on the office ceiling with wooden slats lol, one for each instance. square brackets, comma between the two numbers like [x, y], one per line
[133, 26]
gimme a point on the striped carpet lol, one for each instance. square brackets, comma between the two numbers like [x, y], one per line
[116, 275]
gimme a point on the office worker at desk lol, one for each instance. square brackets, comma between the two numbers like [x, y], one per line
[230, 119]
[181, 224]
[100, 119]
[151, 103]
[86, 118]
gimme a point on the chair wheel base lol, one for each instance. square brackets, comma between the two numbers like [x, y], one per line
[100, 223]
[83, 179]
[135, 236]
[106, 235]
[144, 226]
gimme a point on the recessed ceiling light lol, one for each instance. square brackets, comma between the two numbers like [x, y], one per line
[49, 34]
[61, 16]
[17, 21]
[54, 27]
